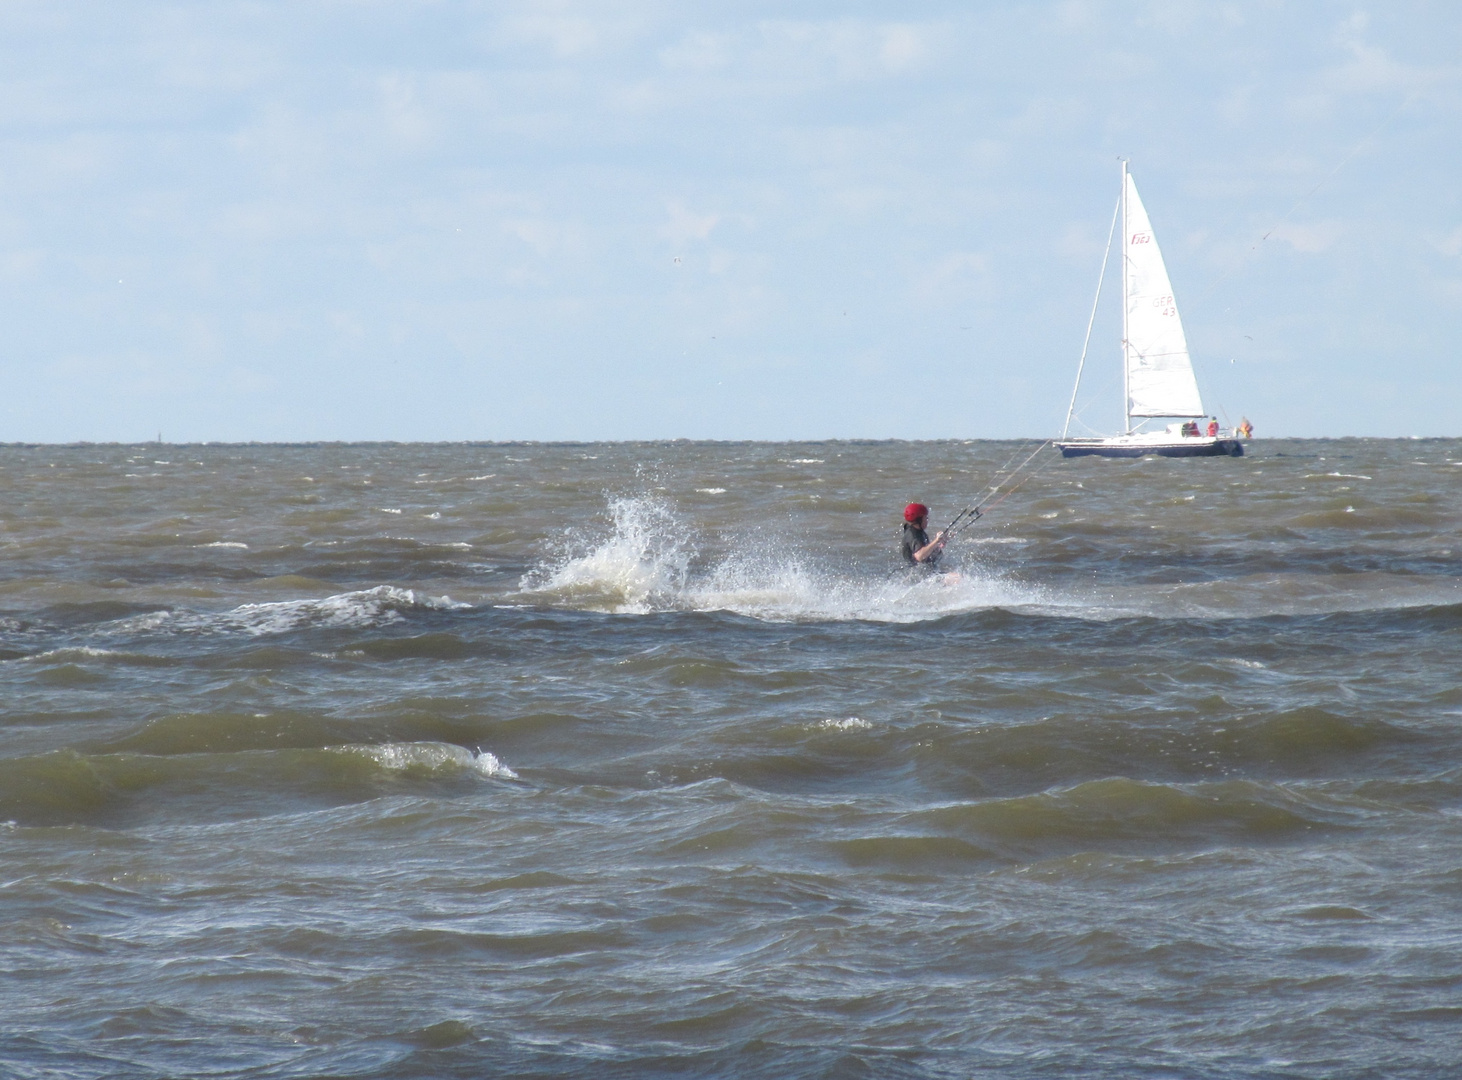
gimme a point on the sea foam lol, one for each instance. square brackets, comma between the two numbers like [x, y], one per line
[431, 757]
[369, 607]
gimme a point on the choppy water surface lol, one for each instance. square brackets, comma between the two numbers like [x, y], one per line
[647, 760]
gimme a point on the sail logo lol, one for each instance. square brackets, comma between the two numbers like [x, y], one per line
[1142, 238]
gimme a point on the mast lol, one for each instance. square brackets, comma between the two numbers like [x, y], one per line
[1126, 240]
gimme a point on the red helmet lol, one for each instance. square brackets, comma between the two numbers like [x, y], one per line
[915, 511]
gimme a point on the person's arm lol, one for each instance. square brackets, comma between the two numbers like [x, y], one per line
[930, 550]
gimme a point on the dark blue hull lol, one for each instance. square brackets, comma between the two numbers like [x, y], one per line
[1199, 448]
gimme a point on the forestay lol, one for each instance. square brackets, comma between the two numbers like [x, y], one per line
[1160, 378]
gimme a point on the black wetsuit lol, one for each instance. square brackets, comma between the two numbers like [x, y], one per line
[914, 540]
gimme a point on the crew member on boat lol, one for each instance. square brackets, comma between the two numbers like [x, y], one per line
[916, 547]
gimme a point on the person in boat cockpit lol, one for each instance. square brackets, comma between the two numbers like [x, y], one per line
[916, 547]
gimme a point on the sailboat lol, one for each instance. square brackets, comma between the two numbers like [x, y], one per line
[1157, 372]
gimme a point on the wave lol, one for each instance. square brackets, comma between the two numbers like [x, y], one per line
[430, 757]
[1117, 814]
[69, 786]
[960, 761]
[1119, 809]
[81, 654]
[379, 606]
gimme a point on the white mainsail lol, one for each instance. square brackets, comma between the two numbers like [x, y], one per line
[1160, 378]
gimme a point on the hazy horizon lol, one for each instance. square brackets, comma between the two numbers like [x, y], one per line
[670, 441]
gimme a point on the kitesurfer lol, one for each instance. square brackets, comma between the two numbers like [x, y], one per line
[916, 547]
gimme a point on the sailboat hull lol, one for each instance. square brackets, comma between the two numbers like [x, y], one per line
[1140, 446]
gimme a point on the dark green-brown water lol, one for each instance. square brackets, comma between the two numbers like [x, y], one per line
[640, 760]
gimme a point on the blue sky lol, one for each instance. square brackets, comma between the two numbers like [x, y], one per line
[568, 220]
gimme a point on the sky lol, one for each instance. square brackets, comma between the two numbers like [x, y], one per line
[567, 220]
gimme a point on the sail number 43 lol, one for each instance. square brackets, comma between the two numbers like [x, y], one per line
[1164, 305]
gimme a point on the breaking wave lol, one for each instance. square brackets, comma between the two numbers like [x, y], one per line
[74, 786]
[429, 757]
[353, 610]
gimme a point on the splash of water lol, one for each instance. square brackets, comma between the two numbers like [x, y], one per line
[642, 566]
[645, 564]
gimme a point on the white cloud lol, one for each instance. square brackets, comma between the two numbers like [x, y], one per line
[1449, 290]
[1372, 68]
[954, 278]
[700, 51]
[1451, 244]
[1077, 15]
[851, 49]
[548, 239]
[402, 116]
[1310, 239]
[566, 36]
[685, 225]
[1081, 243]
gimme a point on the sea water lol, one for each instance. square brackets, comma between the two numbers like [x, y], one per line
[638, 760]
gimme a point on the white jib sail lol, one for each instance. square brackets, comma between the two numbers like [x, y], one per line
[1159, 372]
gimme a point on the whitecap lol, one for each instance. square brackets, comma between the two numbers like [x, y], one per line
[430, 757]
[851, 723]
[488, 764]
[369, 607]
[223, 544]
[80, 652]
[712, 491]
